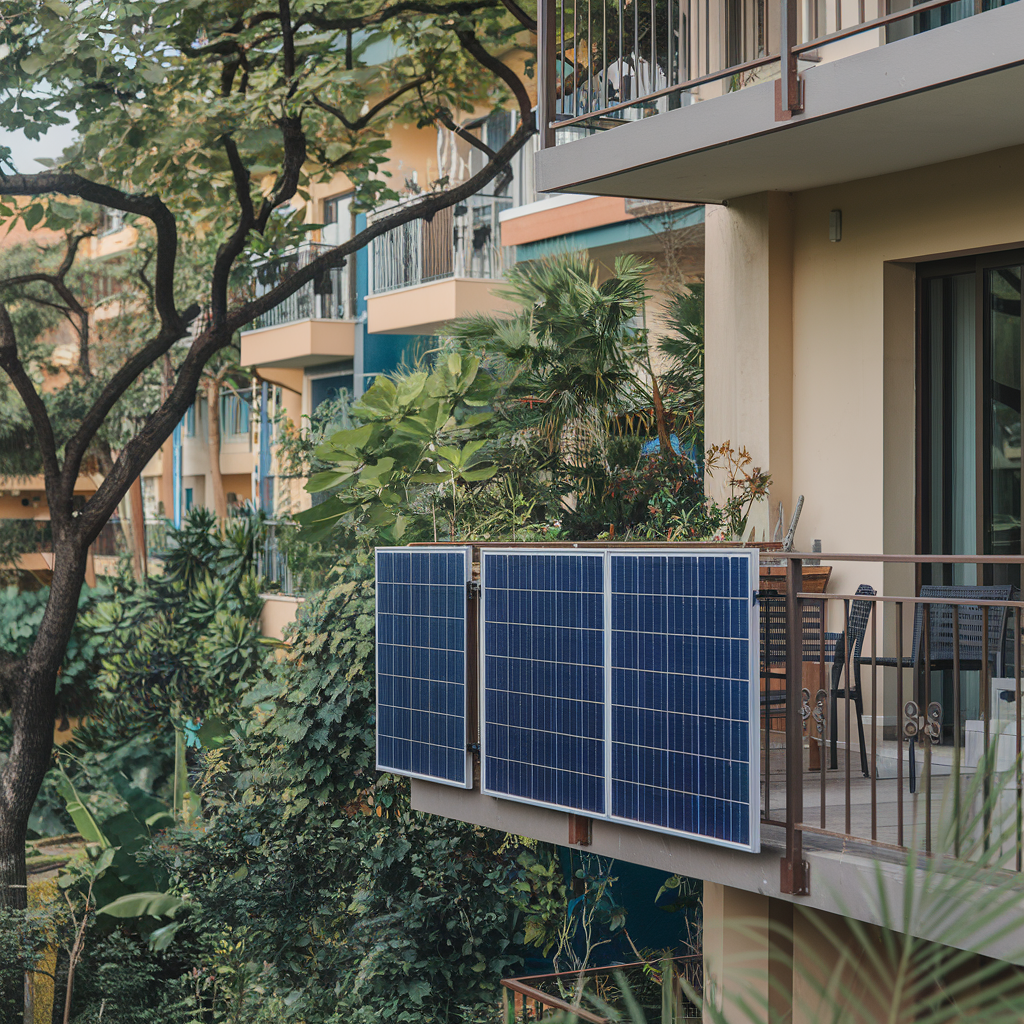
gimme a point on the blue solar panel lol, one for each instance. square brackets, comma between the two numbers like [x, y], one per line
[421, 663]
[684, 694]
[543, 649]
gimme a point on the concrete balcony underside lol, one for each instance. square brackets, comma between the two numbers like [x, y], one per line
[845, 878]
[299, 344]
[426, 308]
[945, 94]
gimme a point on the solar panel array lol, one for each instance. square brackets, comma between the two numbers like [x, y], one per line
[616, 684]
[544, 678]
[683, 743]
[421, 663]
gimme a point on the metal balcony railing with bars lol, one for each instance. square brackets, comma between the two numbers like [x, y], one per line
[302, 573]
[35, 537]
[272, 564]
[657, 991]
[604, 62]
[460, 241]
[944, 665]
[326, 297]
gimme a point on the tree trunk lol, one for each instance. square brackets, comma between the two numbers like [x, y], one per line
[664, 438]
[31, 686]
[220, 502]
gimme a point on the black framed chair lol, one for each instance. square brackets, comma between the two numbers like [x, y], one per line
[856, 627]
[940, 638]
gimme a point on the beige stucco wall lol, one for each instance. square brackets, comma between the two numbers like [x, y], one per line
[810, 359]
[811, 345]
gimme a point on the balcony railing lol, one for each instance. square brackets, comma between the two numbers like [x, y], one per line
[460, 241]
[35, 537]
[944, 665]
[324, 298]
[301, 572]
[605, 63]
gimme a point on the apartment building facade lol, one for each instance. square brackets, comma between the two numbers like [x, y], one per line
[858, 172]
[390, 303]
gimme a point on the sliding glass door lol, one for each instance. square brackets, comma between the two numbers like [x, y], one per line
[969, 487]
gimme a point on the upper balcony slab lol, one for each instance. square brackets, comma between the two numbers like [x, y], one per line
[948, 93]
[299, 344]
[426, 308]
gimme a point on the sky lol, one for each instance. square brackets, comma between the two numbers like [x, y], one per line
[25, 152]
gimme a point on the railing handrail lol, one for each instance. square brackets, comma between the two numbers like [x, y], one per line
[971, 602]
[787, 55]
[513, 985]
[940, 559]
[682, 958]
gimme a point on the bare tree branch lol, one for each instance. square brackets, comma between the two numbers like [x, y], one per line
[284, 16]
[230, 250]
[57, 281]
[445, 117]
[152, 207]
[473, 46]
[362, 121]
[291, 170]
[520, 15]
[465, 8]
[423, 208]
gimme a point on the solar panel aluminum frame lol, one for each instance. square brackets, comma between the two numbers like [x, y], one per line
[753, 692]
[753, 681]
[468, 681]
[482, 669]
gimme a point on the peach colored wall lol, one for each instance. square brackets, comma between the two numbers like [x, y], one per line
[306, 341]
[744, 945]
[831, 408]
[850, 306]
[748, 313]
[426, 308]
[563, 220]
[853, 333]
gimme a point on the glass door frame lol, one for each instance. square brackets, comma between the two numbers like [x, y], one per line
[926, 272]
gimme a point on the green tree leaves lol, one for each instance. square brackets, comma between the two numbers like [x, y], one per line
[414, 430]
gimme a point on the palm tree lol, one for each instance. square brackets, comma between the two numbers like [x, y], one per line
[682, 382]
[574, 355]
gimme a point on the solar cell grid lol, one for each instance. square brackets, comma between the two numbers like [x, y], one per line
[544, 678]
[421, 663]
[682, 694]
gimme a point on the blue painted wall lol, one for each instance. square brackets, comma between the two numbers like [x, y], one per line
[382, 353]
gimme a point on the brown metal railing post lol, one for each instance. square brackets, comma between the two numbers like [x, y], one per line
[546, 76]
[1016, 705]
[789, 88]
[795, 872]
[986, 712]
[956, 729]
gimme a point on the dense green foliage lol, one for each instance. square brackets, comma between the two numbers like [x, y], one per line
[185, 644]
[21, 611]
[541, 424]
[302, 885]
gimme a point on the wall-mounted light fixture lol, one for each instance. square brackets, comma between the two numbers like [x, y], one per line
[835, 225]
